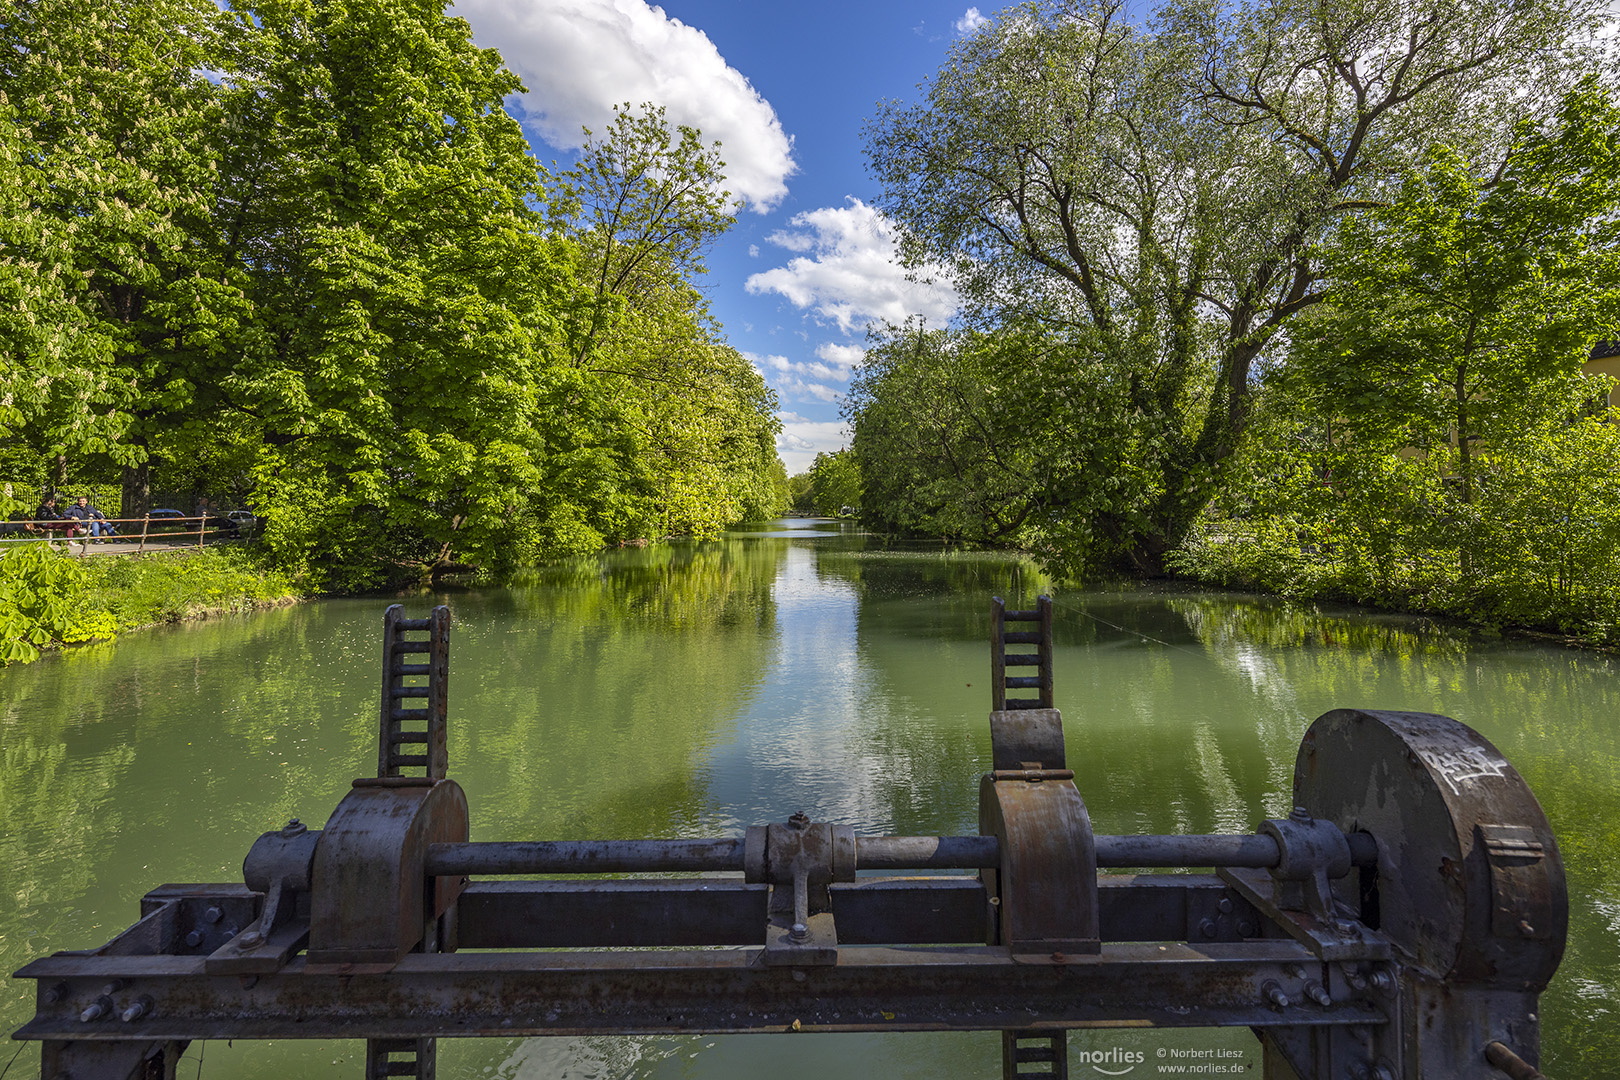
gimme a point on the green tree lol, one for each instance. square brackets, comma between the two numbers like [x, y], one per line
[1429, 442]
[383, 202]
[125, 319]
[646, 203]
[835, 484]
[1013, 438]
[649, 204]
[1458, 314]
[1160, 186]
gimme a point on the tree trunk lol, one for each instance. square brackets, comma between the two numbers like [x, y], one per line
[137, 495]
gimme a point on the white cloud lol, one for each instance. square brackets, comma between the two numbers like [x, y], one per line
[579, 58]
[753, 251]
[847, 357]
[801, 440]
[800, 380]
[852, 276]
[970, 22]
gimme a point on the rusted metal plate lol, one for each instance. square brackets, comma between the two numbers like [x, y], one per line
[367, 901]
[1046, 885]
[869, 989]
[1027, 739]
[596, 914]
[1422, 785]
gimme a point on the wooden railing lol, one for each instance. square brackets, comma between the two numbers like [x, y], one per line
[164, 532]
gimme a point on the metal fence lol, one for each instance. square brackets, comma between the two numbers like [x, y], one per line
[127, 536]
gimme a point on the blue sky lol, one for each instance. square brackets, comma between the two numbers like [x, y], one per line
[786, 88]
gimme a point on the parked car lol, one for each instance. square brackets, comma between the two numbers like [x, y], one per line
[245, 521]
[162, 520]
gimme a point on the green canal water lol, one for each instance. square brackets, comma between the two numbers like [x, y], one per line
[695, 690]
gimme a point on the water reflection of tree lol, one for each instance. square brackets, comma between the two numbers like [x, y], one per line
[1183, 713]
[603, 684]
[1549, 710]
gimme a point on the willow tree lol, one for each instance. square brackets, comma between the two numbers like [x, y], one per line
[1155, 192]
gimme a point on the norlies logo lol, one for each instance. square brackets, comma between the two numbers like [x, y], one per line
[1122, 1061]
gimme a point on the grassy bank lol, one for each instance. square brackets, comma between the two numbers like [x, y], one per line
[49, 598]
[1572, 598]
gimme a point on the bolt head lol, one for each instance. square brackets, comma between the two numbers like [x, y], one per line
[213, 915]
[250, 940]
[194, 939]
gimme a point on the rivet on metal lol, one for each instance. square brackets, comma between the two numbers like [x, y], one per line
[250, 940]
[1207, 928]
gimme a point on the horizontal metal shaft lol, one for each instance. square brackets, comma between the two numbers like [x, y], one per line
[926, 852]
[871, 853]
[586, 856]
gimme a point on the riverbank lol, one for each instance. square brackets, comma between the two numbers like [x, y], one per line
[51, 599]
[1575, 610]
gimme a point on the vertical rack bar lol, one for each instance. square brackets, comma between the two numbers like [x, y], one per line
[1021, 1048]
[385, 734]
[438, 749]
[998, 654]
[399, 652]
[1029, 628]
[401, 1057]
[1043, 606]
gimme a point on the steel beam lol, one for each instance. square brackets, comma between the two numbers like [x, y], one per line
[965, 988]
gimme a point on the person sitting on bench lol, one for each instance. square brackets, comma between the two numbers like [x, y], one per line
[92, 519]
[48, 519]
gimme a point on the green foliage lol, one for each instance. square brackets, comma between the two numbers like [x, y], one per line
[51, 598]
[1161, 185]
[1018, 438]
[112, 139]
[693, 422]
[298, 256]
[169, 587]
[1429, 443]
[832, 486]
[1539, 546]
[1458, 314]
[43, 602]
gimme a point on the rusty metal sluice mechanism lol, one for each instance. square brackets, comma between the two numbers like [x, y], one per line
[1400, 923]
